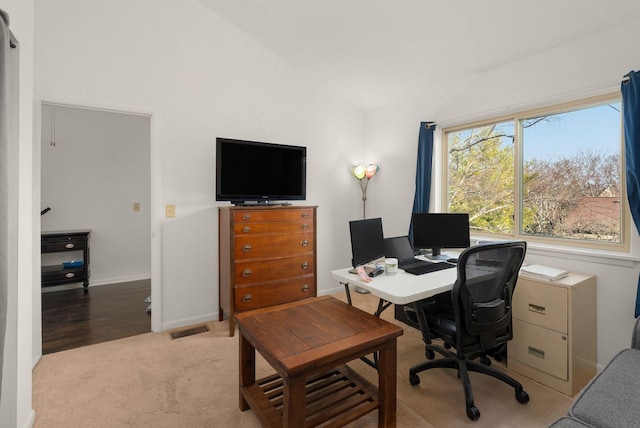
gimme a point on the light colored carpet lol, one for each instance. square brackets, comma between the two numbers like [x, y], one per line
[153, 381]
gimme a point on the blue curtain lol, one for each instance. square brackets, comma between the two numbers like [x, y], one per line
[423, 171]
[631, 117]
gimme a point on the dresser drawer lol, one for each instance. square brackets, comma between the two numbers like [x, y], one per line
[541, 304]
[60, 245]
[272, 246]
[249, 272]
[279, 227]
[257, 216]
[274, 293]
[543, 349]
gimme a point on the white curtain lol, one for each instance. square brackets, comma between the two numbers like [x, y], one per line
[6, 44]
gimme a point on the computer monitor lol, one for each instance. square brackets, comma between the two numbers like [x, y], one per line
[435, 231]
[367, 240]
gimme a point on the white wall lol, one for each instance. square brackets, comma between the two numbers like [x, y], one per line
[199, 78]
[590, 66]
[15, 405]
[90, 178]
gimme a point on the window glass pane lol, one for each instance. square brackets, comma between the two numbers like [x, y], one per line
[481, 177]
[571, 174]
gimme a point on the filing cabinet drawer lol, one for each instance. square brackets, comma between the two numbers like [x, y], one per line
[541, 304]
[257, 216]
[273, 246]
[274, 293]
[280, 227]
[268, 270]
[543, 349]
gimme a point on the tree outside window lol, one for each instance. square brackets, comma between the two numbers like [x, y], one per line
[568, 187]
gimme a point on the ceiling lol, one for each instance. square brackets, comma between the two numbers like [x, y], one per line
[377, 52]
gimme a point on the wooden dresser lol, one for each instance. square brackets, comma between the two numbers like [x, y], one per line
[267, 256]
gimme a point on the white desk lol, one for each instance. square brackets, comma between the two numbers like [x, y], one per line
[402, 288]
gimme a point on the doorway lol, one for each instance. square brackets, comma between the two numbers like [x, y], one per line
[96, 175]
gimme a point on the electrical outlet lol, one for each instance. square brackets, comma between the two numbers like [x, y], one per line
[170, 211]
[136, 206]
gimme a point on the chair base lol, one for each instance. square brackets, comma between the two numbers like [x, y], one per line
[464, 366]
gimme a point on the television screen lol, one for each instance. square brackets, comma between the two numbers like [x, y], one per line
[261, 172]
[367, 241]
[435, 231]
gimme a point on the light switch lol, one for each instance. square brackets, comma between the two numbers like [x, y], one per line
[170, 211]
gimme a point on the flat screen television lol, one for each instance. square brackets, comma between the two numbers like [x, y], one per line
[256, 172]
[435, 231]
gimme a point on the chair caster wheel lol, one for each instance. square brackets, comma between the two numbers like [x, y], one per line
[522, 396]
[429, 354]
[414, 379]
[473, 413]
[485, 360]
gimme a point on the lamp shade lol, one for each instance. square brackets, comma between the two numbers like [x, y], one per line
[359, 171]
[371, 170]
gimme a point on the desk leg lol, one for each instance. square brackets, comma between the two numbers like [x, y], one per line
[387, 369]
[347, 292]
[247, 368]
[294, 396]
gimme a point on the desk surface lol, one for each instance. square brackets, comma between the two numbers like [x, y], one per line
[401, 288]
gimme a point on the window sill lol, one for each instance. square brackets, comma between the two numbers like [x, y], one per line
[613, 258]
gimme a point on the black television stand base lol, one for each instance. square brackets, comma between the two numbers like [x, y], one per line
[262, 204]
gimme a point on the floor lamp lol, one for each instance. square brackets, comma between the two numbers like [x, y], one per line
[363, 173]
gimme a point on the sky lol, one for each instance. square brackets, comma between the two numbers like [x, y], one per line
[596, 128]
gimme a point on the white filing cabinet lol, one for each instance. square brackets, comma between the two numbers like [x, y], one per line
[554, 331]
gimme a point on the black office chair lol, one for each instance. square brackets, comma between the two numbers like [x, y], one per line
[478, 319]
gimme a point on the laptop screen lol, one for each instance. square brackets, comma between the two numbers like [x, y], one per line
[398, 247]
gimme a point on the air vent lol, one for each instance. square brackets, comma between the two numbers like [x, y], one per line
[189, 332]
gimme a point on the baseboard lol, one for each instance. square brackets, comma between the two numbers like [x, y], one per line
[190, 321]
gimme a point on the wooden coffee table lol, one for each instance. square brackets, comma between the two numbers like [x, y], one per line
[308, 343]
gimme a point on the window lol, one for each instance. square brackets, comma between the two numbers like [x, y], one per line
[552, 174]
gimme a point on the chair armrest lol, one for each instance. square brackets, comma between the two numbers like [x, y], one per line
[635, 338]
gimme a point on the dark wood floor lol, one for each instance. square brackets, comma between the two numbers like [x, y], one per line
[71, 318]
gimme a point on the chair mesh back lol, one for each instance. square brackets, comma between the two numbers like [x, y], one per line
[486, 278]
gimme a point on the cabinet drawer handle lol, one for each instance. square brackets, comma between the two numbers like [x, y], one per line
[536, 352]
[246, 273]
[305, 225]
[305, 265]
[537, 309]
[305, 288]
[246, 217]
[247, 298]
[246, 229]
[69, 245]
[305, 214]
[70, 275]
[304, 243]
[246, 248]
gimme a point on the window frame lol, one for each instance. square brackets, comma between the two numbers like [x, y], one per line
[625, 216]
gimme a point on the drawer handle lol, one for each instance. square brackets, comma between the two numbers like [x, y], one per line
[246, 229]
[304, 243]
[246, 273]
[305, 214]
[70, 275]
[305, 288]
[305, 225]
[246, 248]
[537, 309]
[305, 265]
[69, 245]
[536, 352]
[247, 298]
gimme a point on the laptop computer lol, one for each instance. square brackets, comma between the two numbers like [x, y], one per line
[399, 247]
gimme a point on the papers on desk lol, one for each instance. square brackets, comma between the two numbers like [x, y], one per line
[543, 272]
